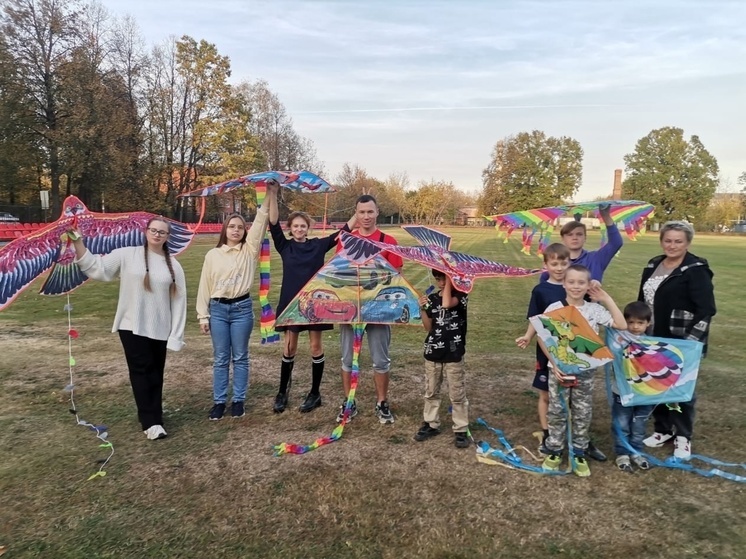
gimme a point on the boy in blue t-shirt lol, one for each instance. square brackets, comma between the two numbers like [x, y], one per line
[556, 261]
[444, 318]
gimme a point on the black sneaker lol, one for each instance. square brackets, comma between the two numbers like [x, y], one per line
[460, 440]
[426, 432]
[311, 402]
[217, 412]
[281, 402]
[237, 409]
[543, 449]
[594, 453]
[353, 412]
[384, 413]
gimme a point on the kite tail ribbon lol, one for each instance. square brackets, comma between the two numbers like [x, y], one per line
[267, 318]
[673, 462]
[528, 239]
[508, 454]
[101, 431]
[546, 236]
[289, 448]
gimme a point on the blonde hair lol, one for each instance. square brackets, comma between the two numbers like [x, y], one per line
[683, 226]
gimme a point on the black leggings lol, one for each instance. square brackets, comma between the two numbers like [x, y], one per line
[146, 360]
[674, 422]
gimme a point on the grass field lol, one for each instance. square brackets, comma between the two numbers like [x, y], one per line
[215, 490]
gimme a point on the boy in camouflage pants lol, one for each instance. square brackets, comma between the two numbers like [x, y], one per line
[577, 395]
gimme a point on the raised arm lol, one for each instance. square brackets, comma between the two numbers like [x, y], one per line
[604, 255]
[259, 226]
[99, 267]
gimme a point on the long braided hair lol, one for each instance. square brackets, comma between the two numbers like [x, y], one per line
[146, 280]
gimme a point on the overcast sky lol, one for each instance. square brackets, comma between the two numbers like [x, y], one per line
[428, 87]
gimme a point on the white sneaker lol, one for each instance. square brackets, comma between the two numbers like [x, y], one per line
[657, 440]
[155, 432]
[682, 448]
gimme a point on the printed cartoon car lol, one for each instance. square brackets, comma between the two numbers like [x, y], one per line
[322, 304]
[390, 305]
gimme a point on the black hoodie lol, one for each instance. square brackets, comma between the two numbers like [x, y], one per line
[684, 303]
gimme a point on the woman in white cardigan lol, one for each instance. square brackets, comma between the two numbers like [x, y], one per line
[151, 313]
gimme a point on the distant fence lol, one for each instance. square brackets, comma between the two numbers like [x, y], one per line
[12, 229]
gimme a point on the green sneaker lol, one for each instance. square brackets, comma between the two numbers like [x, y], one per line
[551, 463]
[580, 467]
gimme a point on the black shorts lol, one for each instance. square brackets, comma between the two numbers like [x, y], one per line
[541, 380]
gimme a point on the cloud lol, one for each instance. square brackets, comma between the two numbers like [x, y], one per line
[396, 75]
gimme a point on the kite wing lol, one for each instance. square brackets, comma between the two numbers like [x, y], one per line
[462, 268]
[298, 181]
[26, 258]
[428, 237]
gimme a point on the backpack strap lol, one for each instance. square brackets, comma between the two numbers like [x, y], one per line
[382, 238]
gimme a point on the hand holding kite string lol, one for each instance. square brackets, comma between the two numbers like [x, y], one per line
[26, 258]
[434, 253]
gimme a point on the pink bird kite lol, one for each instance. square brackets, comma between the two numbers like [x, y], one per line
[26, 258]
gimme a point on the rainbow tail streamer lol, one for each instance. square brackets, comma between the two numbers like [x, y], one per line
[528, 239]
[289, 448]
[101, 431]
[546, 236]
[267, 319]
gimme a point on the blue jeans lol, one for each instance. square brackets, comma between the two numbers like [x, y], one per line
[230, 329]
[631, 424]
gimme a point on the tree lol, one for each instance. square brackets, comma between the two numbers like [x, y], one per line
[435, 203]
[40, 35]
[531, 170]
[99, 140]
[352, 182]
[191, 116]
[21, 156]
[677, 176]
[279, 145]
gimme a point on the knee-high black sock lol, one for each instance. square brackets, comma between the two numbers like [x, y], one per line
[286, 371]
[317, 371]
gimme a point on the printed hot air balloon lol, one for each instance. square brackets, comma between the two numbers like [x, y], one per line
[652, 370]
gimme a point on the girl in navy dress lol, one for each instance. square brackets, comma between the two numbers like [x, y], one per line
[301, 259]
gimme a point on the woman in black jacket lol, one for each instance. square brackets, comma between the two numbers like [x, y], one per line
[677, 285]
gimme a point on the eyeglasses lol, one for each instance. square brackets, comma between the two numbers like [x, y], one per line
[157, 232]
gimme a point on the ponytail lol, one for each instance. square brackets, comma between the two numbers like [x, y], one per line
[173, 289]
[146, 279]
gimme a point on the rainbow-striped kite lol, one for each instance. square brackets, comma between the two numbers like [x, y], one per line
[631, 214]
